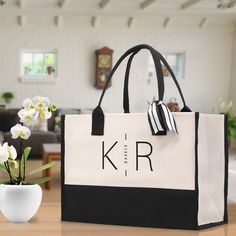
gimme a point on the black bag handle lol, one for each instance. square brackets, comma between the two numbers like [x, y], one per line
[126, 82]
[157, 63]
[98, 115]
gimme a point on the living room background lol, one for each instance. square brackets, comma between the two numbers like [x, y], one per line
[74, 86]
[62, 168]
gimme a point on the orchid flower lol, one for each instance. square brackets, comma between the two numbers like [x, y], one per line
[4, 155]
[12, 154]
[222, 107]
[33, 111]
[20, 131]
[7, 153]
[27, 104]
[37, 108]
[41, 102]
[28, 117]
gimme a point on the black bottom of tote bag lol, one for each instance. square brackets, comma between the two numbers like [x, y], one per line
[145, 207]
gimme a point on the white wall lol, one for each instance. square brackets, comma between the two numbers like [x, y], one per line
[233, 79]
[207, 72]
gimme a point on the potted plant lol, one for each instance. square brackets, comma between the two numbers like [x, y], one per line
[8, 96]
[222, 107]
[50, 70]
[20, 194]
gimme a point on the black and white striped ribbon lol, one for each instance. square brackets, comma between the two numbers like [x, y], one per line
[160, 118]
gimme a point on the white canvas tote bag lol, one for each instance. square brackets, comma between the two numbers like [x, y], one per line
[156, 169]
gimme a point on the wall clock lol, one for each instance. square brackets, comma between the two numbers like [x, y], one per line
[103, 66]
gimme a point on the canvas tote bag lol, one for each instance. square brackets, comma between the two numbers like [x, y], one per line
[156, 169]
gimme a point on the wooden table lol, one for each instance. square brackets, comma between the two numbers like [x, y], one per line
[47, 223]
[51, 151]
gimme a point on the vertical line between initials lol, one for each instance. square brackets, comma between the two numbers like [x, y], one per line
[126, 173]
[125, 136]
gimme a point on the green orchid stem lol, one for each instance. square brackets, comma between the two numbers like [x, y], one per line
[24, 166]
[21, 144]
[9, 172]
[15, 181]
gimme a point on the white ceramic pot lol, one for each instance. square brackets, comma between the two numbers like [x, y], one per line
[19, 203]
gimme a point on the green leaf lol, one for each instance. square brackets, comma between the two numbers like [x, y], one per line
[41, 168]
[231, 126]
[233, 133]
[24, 158]
[40, 180]
[4, 181]
[3, 168]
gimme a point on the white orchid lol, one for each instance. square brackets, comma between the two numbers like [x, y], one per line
[27, 104]
[222, 107]
[20, 131]
[42, 105]
[28, 117]
[34, 111]
[12, 154]
[4, 155]
[41, 102]
[36, 102]
[37, 108]
[7, 153]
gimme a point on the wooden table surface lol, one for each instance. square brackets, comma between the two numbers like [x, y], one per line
[47, 222]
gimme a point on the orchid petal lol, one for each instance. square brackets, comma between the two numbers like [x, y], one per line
[4, 155]
[27, 103]
[20, 131]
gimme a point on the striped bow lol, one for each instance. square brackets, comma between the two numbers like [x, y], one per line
[160, 118]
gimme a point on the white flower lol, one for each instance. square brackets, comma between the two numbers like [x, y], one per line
[222, 107]
[28, 117]
[43, 106]
[11, 151]
[35, 110]
[20, 131]
[45, 114]
[41, 102]
[229, 106]
[28, 103]
[4, 155]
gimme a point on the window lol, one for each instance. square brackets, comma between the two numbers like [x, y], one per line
[176, 62]
[38, 65]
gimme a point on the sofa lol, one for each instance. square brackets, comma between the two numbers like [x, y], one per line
[9, 117]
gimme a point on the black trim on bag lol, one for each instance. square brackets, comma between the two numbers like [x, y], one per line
[196, 165]
[210, 225]
[225, 217]
[63, 201]
[226, 168]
